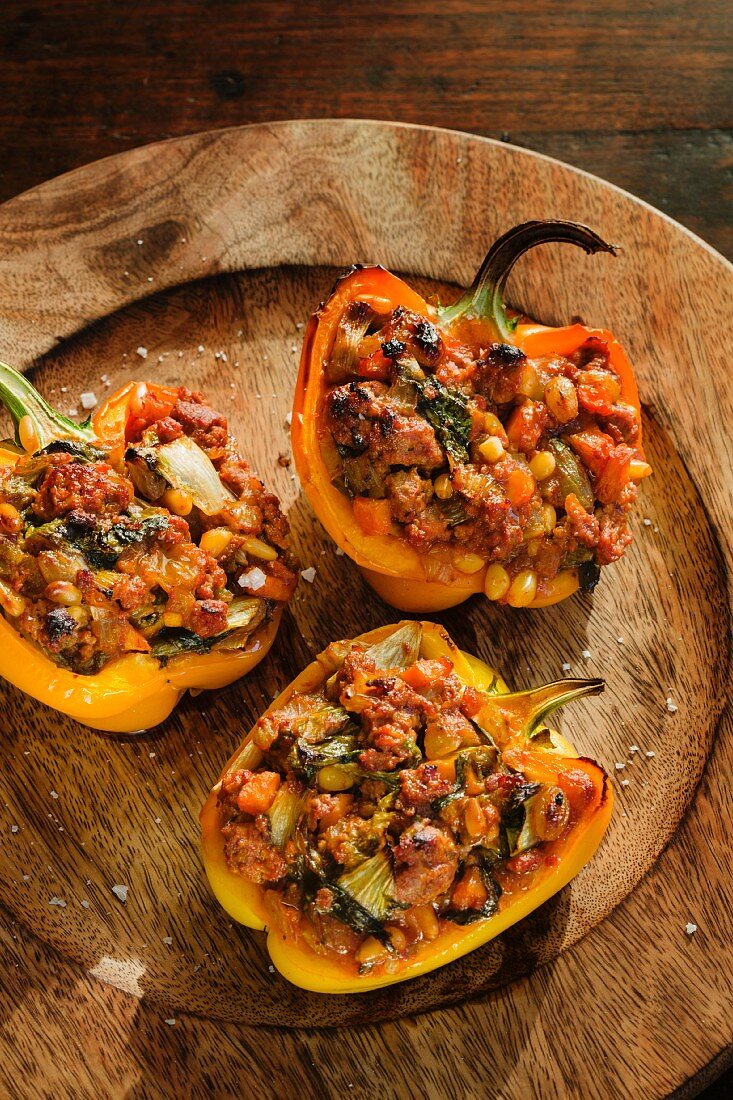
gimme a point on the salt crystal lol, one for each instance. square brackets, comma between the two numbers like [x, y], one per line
[620, 640]
[88, 400]
[339, 552]
[671, 705]
[85, 904]
[308, 574]
[171, 1022]
[14, 828]
[54, 794]
[289, 419]
[634, 748]
[690, 928]
[150, 278]
[140, 241]
[647, 523]
[64, 389]
[168, 940]
[151, 755]
[73, 412]
[566, 667]
[618, 766]
[59, 902]
[120, 892]
[254, 578]
[142, 352]
[200, 348]
[585, 655]
[158, 820]
[650, 754]
[625, 782]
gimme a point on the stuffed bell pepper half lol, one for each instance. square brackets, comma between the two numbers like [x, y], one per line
[457, 450]
[396, 808]
[139, 555]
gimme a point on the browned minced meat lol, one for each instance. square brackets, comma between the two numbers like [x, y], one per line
[419, 787]
[426, 860]
[205, 425]
[361, 417]
[247, 846]
[93, 488]
[208, 617]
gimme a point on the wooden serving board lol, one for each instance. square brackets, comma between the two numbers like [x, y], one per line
[209, 253]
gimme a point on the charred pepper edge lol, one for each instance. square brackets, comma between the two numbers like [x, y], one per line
[299, 965]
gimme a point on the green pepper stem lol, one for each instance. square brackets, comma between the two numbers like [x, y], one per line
[524, 712]
[485, 297]
[21, 399]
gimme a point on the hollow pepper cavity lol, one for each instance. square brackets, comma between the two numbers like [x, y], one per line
[395, 808]
[456, 450]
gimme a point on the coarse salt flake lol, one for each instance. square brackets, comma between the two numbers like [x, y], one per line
[142, 352]
[634, 748]
[88, 400]
[254, 578]
[671, 705]
[14, 828]
[168, 940]
[200, 348]
[690, 928]
[120, 892]
[585, 654]
[171, 1022]
[650, 754]
[618, 765]
[308, 574]
[339, 552]
[289, 419]
[566, 666]
[54, 794]
[59, 902]
[85, 904]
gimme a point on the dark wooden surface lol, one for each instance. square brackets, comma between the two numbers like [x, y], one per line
[639, 94]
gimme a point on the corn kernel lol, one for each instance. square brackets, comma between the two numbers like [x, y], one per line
[177, 501]
[79, 614]
[370, 951]
[443, 487]
[216, 540]
[639, 469]
[28, 435]
[335, 777]
[561, 399]
[172, 619]
[492, 449]
[550, 517]
[542, 465]
[474, 819]
[493, 425]
[440, 742]
[523, 589]
[63, 592]
[496, 582]
[10, 519]
[259, 549]
[468, 563]
[10, 601]
[529, 382]
[427, 921]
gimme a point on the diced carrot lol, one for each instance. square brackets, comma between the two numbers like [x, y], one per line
[373, 516]
[423, 673]
[524, 426]
[471, 892]
[340, 806]
[376, 365]
[258, 792]
[520, 486]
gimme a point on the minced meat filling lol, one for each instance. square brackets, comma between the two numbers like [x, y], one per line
[482, 455]
[376, 813]
[102, 555]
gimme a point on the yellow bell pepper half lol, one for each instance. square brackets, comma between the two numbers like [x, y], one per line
[552, 759]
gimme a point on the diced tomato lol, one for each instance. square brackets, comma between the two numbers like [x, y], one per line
[598, 390]
[471, 702]
[615, 474]
[526, 861]
[423, 673]
[373, 516]
[593, 447]
[525, 425]
[258, 792]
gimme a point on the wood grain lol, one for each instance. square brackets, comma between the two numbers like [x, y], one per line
[599, 1015]
[639, 94]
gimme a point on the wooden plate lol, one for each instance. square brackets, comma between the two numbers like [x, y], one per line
[210, 252]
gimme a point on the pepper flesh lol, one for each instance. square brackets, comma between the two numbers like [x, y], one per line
[551, 761]
[388, 562]
[135, 691]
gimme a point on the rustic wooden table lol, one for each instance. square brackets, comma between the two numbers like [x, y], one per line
[638, 94]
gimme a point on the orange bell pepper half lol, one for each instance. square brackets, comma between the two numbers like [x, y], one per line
[530, 871]
[135, 690]
[397, 571]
